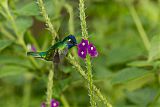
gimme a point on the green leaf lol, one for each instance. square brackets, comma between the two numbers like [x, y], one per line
[141, 97]
[140, 63]
[14, 60]
[102, 73]
[30, 9]
[4, 44]
[23, 23]
[128, 74]
[154, 52]
[121, 55]
[9, 70]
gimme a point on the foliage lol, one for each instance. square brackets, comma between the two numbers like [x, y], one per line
[126, 70]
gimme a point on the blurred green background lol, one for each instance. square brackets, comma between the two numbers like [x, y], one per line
[126, 71]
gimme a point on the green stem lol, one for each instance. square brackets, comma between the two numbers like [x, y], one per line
[7, 34]
[12, 20]
[33, 40]
[26, 97]
[27, 91]
[47, 20]
[64, 101]
[49, 87]
[88, 62]
[71, 18]
[139, 26]
[21, 42]
[75, 63]
[90, 83]
[82, 18]
[54, 34]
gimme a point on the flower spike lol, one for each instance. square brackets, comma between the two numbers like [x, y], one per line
[85, 48]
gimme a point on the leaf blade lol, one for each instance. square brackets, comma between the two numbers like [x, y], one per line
[154, 52]
[4, 44]
[128, 74]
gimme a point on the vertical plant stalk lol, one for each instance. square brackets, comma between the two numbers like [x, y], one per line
[90, 83]
[88, 62]
[54, 34]
[52, 30]
[64, 101]
[27, 91]
[75, 63]
[71, 18]
[71, 28]
[139, 26]
[49, 87]
[7, 34]
[82, 18]
[47, 20]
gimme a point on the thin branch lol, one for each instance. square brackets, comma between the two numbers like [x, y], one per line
[47, 20]
[139, 26]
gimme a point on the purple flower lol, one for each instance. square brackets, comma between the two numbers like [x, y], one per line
[92, 50]
[43, 105]
[33, 48]
[82, 52]
[83, 44]
[54, 103]
[84, 47]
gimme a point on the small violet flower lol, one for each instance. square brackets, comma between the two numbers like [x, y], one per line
[54, 103]
[83, 44]
[84, 47]
[82, 52]
[31, 48]
[92, 50]
[43, 105]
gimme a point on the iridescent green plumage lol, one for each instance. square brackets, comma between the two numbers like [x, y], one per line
[57, 51]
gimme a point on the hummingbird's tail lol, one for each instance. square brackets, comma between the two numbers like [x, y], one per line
[36, 54]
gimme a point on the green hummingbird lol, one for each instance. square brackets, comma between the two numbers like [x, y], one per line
[57, 51]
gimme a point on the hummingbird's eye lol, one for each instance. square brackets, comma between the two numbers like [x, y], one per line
[70, 41]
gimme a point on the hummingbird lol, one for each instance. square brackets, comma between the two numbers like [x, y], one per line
[57, 51]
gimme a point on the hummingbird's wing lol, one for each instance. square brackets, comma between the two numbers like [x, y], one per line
[57, 60]
[59, 55]
[63, 53]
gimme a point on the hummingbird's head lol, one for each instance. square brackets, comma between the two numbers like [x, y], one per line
[70, 41]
